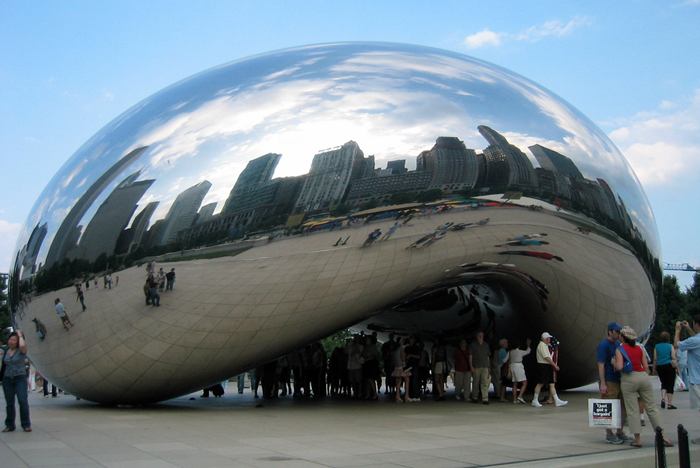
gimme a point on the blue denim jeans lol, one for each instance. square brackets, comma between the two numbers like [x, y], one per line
[16, 386]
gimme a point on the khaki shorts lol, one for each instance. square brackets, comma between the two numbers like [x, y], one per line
[614, 392]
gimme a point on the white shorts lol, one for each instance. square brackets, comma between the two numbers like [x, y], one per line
[694, 391]
[517, 371]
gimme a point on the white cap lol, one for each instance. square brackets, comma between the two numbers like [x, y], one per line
[546, 335]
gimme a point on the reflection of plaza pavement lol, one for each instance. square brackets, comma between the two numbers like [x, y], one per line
[231, 431]
[229, 313]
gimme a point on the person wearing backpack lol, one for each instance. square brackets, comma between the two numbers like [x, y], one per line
[635, 384]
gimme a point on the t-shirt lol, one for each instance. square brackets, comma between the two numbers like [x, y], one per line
[516, 355]
[663, 353]
[604, 355]
[480, 354]
[15, 364]
[543, 353]
[60, 310]
[692, 345]
[462, 360]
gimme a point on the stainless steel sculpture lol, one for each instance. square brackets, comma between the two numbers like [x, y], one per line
[453, 196]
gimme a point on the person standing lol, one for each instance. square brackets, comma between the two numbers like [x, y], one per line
[80, 295]
[636, 384]
[692, 346]
[170, 280]
[14, 382]
[499, 369]
[153, 291]
[545, 370]
[439, 369]
[479, 363]
[62, 314]
[463, 373]
[665, 365]
[609, 378]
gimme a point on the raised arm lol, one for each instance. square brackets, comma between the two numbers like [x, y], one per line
[22, 343]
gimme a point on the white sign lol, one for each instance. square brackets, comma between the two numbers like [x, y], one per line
[604, 413]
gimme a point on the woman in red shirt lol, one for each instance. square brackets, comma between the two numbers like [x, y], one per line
[636, 385]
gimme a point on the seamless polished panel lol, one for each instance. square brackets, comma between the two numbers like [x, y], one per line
[392, 187]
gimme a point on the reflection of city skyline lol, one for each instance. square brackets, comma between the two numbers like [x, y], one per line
[339, 179]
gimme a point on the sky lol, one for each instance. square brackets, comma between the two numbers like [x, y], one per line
[68, 68]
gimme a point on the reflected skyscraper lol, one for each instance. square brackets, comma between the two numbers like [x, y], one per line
[453, 166]
[140, 225]
[101, 234]
[183, 212]
[36, 239]
[506, 165]
[555, 162]
[257, 172]
[68, 233]
[330, 175]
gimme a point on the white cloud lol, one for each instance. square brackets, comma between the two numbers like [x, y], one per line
[552, 28]
[8, 237]
[663, 145]
[485, 37]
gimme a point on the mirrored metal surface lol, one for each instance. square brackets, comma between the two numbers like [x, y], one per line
[298, 192]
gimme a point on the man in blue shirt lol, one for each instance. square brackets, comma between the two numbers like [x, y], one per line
[692, 346]
[609, 378]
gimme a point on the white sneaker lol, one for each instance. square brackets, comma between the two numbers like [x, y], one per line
[522, 400]
[559, 402]
[536, 403]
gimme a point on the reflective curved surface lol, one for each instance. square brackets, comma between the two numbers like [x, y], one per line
[393, 187]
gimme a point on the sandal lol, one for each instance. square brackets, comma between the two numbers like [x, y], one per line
[671, 407]
[668, 443]
[636, 444]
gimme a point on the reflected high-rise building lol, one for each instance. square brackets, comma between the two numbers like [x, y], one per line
[453, 166]
[183, 212]
[31, 251]
[68, 232]
[140, 225]
[206, 212]
[257, 172]
[506, 165]
[397, 166]
[103, 230]
[330, 175]
[555, 162]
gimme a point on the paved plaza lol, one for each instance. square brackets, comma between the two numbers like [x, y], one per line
[238, 430]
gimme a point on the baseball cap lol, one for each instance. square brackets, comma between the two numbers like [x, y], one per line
[614, 326]
[546, 335]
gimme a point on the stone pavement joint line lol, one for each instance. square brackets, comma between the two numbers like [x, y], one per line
[236, 431]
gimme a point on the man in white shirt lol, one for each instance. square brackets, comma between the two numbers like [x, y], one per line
[545, 372]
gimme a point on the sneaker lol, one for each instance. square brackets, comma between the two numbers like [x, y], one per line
[614, 440]
[560, 403]
[671, 407]
[522, 400]
[485, 402]
[536, 404]
[623, 437]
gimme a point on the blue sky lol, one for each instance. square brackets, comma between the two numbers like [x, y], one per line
[632, 67]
